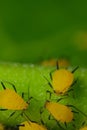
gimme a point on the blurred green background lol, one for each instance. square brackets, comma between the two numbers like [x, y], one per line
[31, 31]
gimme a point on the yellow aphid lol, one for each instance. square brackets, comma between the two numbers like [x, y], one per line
[28, 125]
[60, 112]
[1, 127]
[52, 62]
[63, 63]
[84, 128]
[62, 79]
[9, 99]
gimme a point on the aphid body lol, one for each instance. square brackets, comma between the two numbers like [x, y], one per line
[60, 112]
[62, 79]
[9, 99]
[28, 125]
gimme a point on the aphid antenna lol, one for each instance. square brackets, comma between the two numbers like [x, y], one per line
[77, 110]
[13, 86]
[3, 85]
[42, 110]
[48, 81]
[20, 125]
[75, 69]
[10, 84]
[57, 65]
[51, 74]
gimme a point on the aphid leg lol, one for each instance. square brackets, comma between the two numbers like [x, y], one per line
[71, 88]
[74, 82]
[83, 123]
[77, 110]
[12, 114]
[65, 124]
[41, 119]
[42, 122]
[24, 115]
[74, 126]
[60, 99]
[75, 69]
[60, 126]
[11, 127]
[2, 109]
[50, 117]
[73, 120]
[22, 94]
[51, 75]
[50, 93]
[41, 112]
[30, 98]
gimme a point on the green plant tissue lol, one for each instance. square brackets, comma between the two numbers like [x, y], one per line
[29, 79]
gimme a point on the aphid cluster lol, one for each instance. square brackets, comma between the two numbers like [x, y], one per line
[10, 100]
[62, 80]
